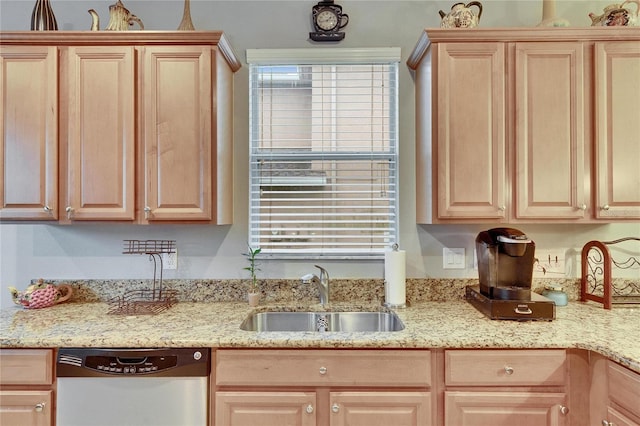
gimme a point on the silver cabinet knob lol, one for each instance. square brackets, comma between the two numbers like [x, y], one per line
[147, 212]
[48, 209]
[323, 370]
[309, 409]
[502, 208]
[335, 407]
[606, 423]
[605, 207]
[583, 207]
[564, 410]
[69, 211]
[508, 370]
[39, 407]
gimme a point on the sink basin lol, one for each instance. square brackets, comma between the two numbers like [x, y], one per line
[323, 321]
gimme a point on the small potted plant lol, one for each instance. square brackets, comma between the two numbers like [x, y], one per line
[254, 291]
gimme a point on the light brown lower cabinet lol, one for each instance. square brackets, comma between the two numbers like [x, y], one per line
[505, 387]
[623, 407]
[478, 407]
[616, 418]
[353, 408]
[26, 392]
[26, 408]
[323, 387]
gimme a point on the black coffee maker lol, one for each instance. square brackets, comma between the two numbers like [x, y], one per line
[505, 267]
[505, 263]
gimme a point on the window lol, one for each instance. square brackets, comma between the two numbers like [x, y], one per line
[323, 152]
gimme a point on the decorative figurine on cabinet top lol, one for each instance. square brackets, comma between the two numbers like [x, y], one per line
[549, 18]
[461, 16]
[120, 19]
[328, 20]
[617, 15]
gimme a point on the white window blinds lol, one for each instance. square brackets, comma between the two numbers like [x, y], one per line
[323, 152]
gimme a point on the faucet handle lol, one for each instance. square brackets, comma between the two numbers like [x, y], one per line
[323, 273]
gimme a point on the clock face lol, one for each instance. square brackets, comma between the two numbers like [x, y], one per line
[327, 20]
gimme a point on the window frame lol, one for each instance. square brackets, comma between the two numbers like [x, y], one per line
[328, 56]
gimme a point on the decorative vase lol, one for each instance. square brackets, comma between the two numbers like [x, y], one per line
[42, 17]
[186, 24]
[549, 15]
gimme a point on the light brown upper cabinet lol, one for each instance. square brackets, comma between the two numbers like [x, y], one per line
[99, 122]
[617, 129]
[29, 128]
[145, 126]
[527, 125]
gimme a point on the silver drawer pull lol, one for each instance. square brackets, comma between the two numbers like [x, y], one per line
[335, 407]
[39, 407]
[523, 310]
[508, 370]
[564, 410]
[323, 370]
[309, 409]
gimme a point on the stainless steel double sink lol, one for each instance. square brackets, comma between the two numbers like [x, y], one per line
[316, 321]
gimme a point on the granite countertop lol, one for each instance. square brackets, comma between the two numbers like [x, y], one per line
[454, 324]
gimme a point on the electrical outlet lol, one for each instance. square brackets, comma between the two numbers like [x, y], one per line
[475, 259]
[453, 258]
[170, 260]
[549, 264]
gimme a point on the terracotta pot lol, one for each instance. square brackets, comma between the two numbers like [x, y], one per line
[254, 299]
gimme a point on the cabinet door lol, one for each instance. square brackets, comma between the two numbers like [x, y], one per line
[265, 408]
[504, 408]
[616, 418]
[380, 408]
[29, 128]
[470, 120]
[617, 151]
[25, 408]
[100, 160]
[550, 146]
[177, 116]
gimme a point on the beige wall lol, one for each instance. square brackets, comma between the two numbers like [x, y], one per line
[93, 251]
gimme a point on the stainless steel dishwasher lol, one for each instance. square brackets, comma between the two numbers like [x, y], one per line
[132, 387]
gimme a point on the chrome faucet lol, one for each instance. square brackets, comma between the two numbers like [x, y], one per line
[322, 283]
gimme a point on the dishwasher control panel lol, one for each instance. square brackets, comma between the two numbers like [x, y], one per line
[130, 365]
[90, 362]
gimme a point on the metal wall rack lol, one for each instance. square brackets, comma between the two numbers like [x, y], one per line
[147, 301]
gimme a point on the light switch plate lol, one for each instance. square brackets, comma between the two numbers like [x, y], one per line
[453, 258]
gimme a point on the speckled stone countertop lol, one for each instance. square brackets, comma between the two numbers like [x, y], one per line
[431, 324]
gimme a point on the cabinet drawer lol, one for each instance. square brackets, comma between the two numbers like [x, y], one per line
[26, 366]
[274, 367]
[505, 367]
[33, 408]
[624, 387]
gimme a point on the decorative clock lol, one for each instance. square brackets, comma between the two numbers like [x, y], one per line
[328, 20]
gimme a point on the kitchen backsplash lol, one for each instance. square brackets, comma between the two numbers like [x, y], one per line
[287, 290]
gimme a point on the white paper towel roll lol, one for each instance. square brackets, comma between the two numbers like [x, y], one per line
[395, 278]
